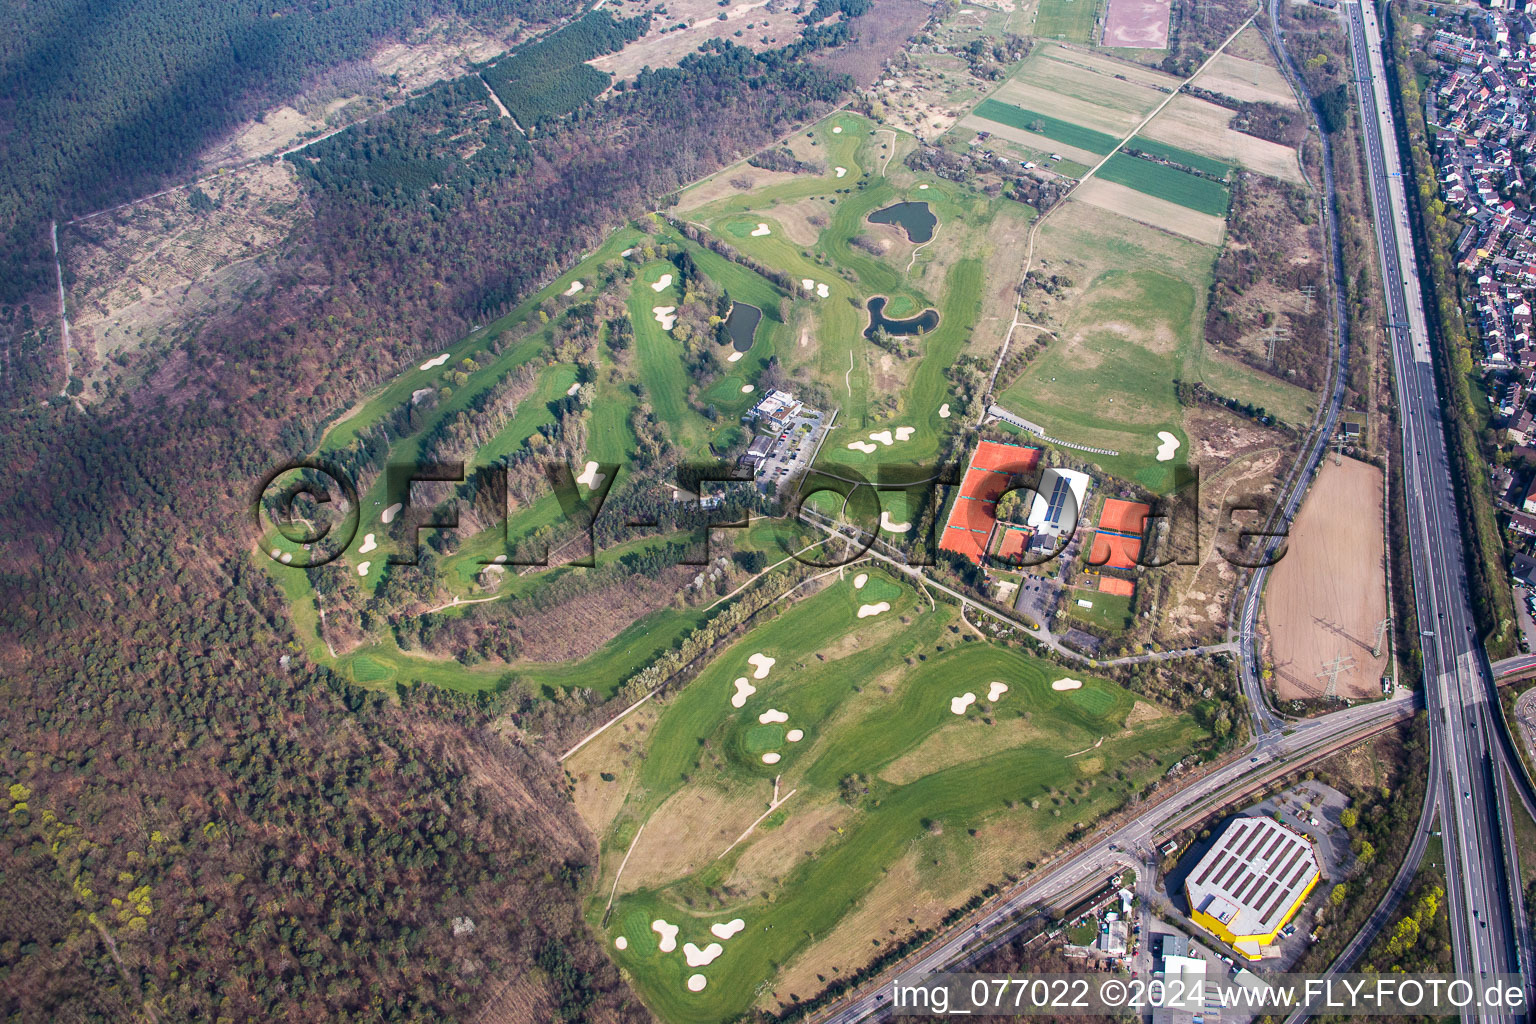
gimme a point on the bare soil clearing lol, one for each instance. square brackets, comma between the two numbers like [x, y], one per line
[1201, 127]
[1248, 80]
[1150, 210]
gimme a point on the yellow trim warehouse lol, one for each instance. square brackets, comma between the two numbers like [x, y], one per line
[1251, 882]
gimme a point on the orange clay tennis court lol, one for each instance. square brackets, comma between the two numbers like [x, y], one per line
[1123, 516]
[1114, 550]
[973, 516]
[1012, 547]
[1116, 586]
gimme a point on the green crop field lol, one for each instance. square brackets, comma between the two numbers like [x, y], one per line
[1070, 20]
[1209, 165]
[884, 759]
[1044, 124]
[1170, 183]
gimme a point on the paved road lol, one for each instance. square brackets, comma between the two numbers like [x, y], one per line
[1480, 859]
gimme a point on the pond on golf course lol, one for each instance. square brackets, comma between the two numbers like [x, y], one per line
[924, 322]
[741, 324]
[916, 218]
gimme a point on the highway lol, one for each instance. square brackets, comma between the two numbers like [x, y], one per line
[1484, 905]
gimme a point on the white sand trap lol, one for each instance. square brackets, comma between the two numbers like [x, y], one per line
[960, 703]
[838, 130]
[729, 928]
[747, 389]
[575, 287]
[770, 758]
[697, 957]
[821, 290]
[866, 610]
[862, 446]
[621, 943]
[923, 188]
[391, 512]
[287, 557]
[696, 982]
[902, 433]
[661, 285]
[772, 715]
[762, 663]
[744, 690]
[841, 171]
[435, 361]
[996, 691]
[666, 316]
[807, 284]
[734, 356]
[859, 580]
[590, 477]
[368, 545]
[795, 735]
[1067, 684]
[625, 253]
[944, 411]
[362, 568]
[886, 523]
[499, 560]
[761, 230]
[573, 389]
[668, 933]
[277, 552]
[883, 436]
[1167, 445]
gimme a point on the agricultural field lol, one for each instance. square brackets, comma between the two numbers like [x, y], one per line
[847, 766]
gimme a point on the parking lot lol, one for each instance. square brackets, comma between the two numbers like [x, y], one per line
[799, 441]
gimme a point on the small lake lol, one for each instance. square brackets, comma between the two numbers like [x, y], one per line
[916, 218]
[742, 323]
[924, 322]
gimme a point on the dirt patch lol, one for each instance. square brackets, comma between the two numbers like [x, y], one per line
[687, 833]
[1328, 595]
[1202, 127]
[1251, 81]
[1141, 713]
[680, 27]
[773, 854]
[1140, 24]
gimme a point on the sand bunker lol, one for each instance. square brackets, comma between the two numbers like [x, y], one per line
[499, 560]
[837, 131]
[368, 545]
[661, 285]
[795, 735]
[696, 982]
[944, 411]
[1067, 684]
[277, 552]
[761, 230]
[625, 253]
[420, 394]
[668, 933]
[725, 931]
[747, 389]
[883, 436]
[573, 389]
[1167, 445]
[923, 188]
[807, 284]
[866, 610]
[435, 361]
[821, 290]
[886, 523]
[859, 580]
[902, 433]
[666, 316]
[391, 512]
[996, 691]
[744, 690]
[862, 446]
[762, 663]
[770, 758]
[575, 287]
[697, 957]
[960, 703]
[621, 943]
[590, 476]
[772, 715]
[362, 568]
[734, 356]
[841, 171]
[286, 557]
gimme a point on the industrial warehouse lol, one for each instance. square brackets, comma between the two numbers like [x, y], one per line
[1251, 882]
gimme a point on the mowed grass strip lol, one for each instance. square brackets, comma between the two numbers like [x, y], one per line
[1220, 168]
[1051, 127]
[1170, 183]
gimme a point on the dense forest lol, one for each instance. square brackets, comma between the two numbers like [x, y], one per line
[549, 77]
[199, 824]
[100, 100]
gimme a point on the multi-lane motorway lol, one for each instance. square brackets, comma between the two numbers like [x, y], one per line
[1482, 874]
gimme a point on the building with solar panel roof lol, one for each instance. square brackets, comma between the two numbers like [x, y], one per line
[1253, 880]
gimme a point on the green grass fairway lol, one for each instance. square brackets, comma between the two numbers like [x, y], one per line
[1168, 183]
[1064, 132]
[873, 698]
[1071, 20]
[1209, 165]
[369, 670]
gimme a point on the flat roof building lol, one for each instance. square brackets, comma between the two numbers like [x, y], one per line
[1253, 880]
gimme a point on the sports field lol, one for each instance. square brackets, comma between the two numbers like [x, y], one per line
[1069, 20]
[890, 746]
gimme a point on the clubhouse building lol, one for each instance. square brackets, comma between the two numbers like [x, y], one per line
[1253, 880]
